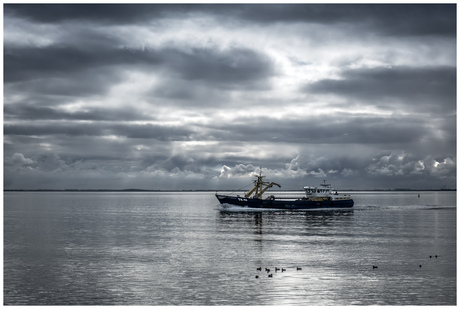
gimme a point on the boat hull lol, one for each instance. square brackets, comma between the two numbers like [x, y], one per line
[283, 203]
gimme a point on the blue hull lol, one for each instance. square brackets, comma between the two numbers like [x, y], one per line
[283, 204]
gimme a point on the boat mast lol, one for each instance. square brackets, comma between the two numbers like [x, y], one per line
[258, 189]
[258, 185]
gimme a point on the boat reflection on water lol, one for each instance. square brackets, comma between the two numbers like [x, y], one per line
[276, 221]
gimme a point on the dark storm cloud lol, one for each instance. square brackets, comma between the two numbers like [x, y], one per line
[325, 129]
[147, 131]
[62, 88]
[67, 65]
[43, 112]
[24, 63]
[237, 65]
[427, 88]
[100, 13]
[400, 19]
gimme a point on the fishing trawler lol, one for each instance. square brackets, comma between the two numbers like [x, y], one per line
[315, 197]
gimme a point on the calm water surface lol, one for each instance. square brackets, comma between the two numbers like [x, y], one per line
[68, 248]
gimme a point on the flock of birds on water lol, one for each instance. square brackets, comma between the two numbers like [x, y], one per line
[276, 270]
[420, 266]
[270, 275]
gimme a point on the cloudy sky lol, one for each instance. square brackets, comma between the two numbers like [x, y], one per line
[199, 96]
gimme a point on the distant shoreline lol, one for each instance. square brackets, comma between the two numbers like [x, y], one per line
[141, 190]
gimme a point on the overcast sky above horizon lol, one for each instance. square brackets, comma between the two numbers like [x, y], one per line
[199, 96]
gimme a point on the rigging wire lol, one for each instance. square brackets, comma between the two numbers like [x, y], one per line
[241, 189]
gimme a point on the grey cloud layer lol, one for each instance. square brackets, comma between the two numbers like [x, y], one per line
[401, 19]
[428, 88]
[195, 96]
[37, 111]
[100, 129]
[236, 67]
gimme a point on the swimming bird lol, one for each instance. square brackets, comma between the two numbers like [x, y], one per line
[374, 267]
[430, 256]
[259, 268]
[270, 276]
[436, 256]
[420, 266]
[283, 269]
[257, 277]
[276, 269]
[267, 270]
[299, 268]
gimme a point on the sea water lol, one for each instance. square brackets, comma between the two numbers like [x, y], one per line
[169, 248]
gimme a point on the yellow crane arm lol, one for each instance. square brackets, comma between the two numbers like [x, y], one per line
[250, 192]
[258, 185]
[268, 187]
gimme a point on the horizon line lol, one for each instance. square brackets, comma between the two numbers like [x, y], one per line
[199, 190]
